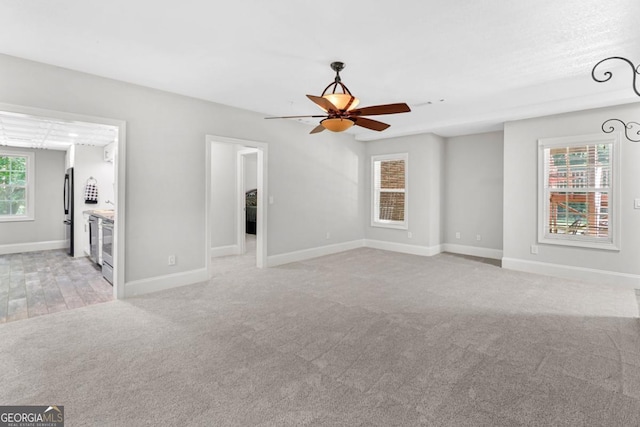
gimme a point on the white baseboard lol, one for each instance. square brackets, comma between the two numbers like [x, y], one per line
[169, 281]
[305, 254]
[32, 247]
[225, 250]
[473, 251]
[571, 272]
[403, 248]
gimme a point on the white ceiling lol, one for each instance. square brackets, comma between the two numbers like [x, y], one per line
[490, 60]
[25, 131]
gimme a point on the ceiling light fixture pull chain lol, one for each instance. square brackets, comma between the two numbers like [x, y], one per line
[628, 127]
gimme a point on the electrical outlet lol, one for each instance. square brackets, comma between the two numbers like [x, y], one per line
[636, 204]
[457, 234]
[172, 260]
[478, 238]
[409, 234]
[328, 236]
[534, 249]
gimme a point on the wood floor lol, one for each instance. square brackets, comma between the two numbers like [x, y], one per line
[37, 283]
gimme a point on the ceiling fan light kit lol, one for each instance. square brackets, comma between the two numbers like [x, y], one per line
[336, 125]
[341, 108]
[342, 101]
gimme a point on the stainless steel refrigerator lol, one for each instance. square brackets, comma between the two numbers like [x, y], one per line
[68, 208]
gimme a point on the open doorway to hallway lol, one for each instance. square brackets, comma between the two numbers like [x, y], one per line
[236, 194]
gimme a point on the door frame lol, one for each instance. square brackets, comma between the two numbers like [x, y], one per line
[120, 187]
[261, 220]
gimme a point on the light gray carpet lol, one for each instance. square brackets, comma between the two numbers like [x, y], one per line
[362, 338]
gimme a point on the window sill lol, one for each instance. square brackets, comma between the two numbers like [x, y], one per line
[16, 218]
[393, 225]
[579, 243]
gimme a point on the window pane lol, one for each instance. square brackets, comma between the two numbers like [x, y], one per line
[18, 178]
[579, 213]
[18, 207]
[14, 182]
[392, 174]
[17, 193]
[389, 191]
[585, 166]
[391, 206]
[18, 163]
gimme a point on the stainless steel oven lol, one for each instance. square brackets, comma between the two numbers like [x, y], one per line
[107, 250]
[94, 239]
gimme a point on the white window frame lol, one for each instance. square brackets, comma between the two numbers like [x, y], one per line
[29, 187]
[544, 236]
[375, 193]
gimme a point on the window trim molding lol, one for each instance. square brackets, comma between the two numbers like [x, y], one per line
[404, 225]
[613, 243]
[30, 187]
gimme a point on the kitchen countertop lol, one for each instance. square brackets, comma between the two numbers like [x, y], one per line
[105, 214]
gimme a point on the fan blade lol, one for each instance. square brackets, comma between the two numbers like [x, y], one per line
[317, 129]
[323, 103]
[369, 124]
[294, 117]
[377, 110]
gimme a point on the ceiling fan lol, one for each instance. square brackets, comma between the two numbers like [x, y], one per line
[341, 111]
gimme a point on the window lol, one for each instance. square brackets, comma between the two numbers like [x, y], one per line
[577, 192]
[389, 198]
[16, 186]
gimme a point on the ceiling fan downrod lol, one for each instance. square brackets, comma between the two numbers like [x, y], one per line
[337, 66]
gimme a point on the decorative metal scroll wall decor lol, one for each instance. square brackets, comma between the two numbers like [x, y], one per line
[630, 128]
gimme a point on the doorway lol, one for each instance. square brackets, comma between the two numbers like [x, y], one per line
[59, 134]
[228, 161]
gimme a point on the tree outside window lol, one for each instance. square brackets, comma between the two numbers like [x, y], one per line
[16, 193]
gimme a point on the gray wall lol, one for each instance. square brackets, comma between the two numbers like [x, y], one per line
[250, 171]
[425, 188]
[47, 226]
[473, 195]
[315, 179]
[316, 184]
[520, 191]
[223, 194]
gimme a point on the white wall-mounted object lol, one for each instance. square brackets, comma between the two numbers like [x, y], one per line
[70, 157]
[110, 152]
